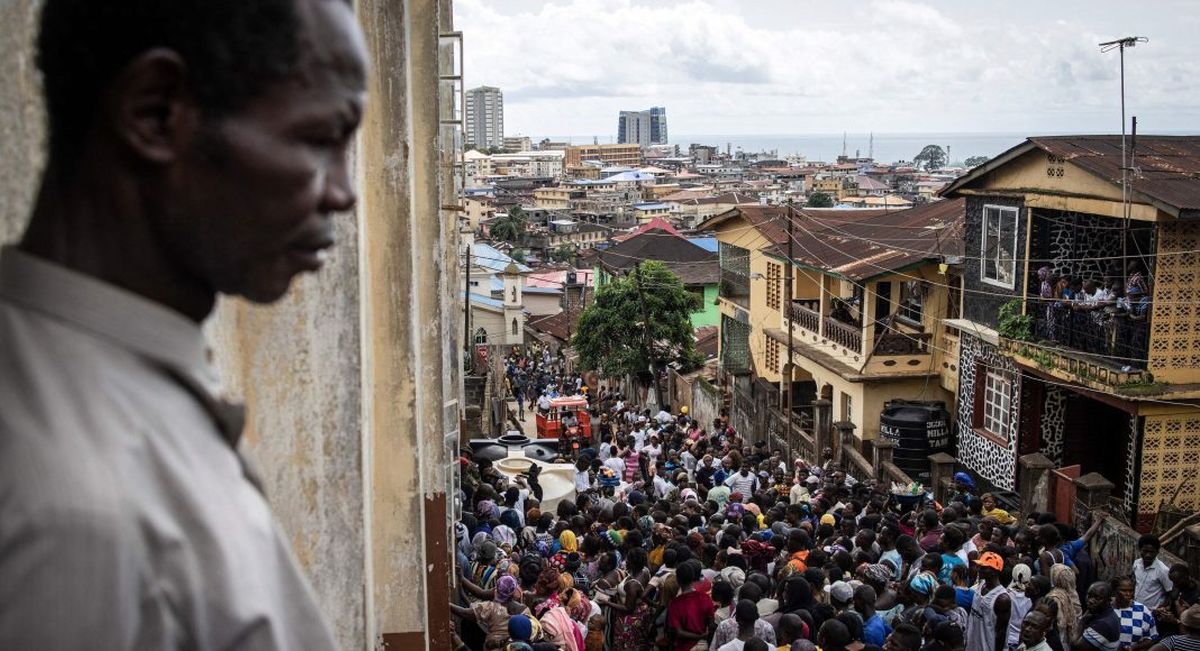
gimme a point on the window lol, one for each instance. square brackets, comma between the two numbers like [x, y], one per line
[998, 247]
[912, 294]
[772, 355]
[995, 404]
[847, 407]
[774, 284]
[515, 328]
[481, 336]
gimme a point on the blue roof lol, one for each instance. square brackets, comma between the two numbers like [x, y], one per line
[706, 243]
[492, 259]
[487, 300]
[651, 205]
[628, 176]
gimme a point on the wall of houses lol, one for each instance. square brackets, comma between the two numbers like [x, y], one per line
[738, 233]
[992, 457]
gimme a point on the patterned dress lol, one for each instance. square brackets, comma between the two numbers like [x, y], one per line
[1137, 624]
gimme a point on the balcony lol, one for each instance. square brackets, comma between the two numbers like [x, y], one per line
[735, 286]
[811, 327]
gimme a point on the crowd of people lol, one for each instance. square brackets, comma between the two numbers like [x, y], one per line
[686, 536]
[1103, 315]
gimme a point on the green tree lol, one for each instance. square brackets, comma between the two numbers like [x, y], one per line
[819, 199]
[509, 227]
[518, 255]
[563, 253]
[614, 337]
[932, 157]
[976, 161]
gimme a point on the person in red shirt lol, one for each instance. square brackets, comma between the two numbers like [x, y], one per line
[690, 615]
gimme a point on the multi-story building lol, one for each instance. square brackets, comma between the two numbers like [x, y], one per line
[644, 128]
[485, 117]
[1106, 382]
[518, 143]
[697, 268]
[628, 155]
[864, 324]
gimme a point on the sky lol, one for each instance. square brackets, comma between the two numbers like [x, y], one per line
[566, 67]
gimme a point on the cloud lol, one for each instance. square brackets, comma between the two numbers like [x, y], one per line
[778, 66]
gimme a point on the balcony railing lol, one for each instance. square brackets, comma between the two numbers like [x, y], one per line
[806, 314]
[843, 334]
[734, 285]
[1109, 333]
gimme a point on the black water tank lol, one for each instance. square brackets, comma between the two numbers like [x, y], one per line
[498, 448]
[919, 430]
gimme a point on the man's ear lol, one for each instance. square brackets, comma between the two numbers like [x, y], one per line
[152, 105]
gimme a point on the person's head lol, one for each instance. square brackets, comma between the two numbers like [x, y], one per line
[687, 573]
[1099, 597]
[1148, 546]
[1033, 628]
[864, 600]
[722, 593]
[1122, 591]
[833, 635]
[904, 637]
[990, 565]
[908, 548]
[1189, 620]
[1178, 574]
[219, 130]
[1048, 607]
[746, 613]
[791, 627]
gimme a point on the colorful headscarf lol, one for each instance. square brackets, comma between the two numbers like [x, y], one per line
[506, 588]
[486, 510]
[568, 541]
[923, 584]
[520, 628]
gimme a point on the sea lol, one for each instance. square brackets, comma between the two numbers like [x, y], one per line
[883, 147]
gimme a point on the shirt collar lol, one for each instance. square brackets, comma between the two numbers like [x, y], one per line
[87, 303]
[163, 336]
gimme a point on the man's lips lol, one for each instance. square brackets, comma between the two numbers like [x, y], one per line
[310, 255]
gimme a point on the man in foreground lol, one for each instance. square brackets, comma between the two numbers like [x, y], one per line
[196, 147]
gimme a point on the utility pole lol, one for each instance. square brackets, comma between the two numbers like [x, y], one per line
[637, 274]
[468, 340]
[787, 305]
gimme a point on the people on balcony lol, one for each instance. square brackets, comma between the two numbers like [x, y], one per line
[1106, 317]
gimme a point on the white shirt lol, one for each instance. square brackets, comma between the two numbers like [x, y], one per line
[744, 485]
[653, 451]
[1152, 583]
[617, 465]
[130, 520]
[662, 487]
[639, 438]
[582, 482]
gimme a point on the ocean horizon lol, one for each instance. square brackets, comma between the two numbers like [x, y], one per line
[883, 147]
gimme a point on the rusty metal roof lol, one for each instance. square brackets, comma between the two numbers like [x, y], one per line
[770, 220]
[882, 243]
[1166, 168]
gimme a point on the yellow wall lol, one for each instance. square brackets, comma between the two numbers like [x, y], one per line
[739, 233]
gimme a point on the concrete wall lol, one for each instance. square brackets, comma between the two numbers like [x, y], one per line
[352, 381]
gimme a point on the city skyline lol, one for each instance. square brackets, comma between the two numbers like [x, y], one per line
[889, 66]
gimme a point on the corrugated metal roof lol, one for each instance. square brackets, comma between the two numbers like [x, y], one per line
[864, 248]
[1167, 167]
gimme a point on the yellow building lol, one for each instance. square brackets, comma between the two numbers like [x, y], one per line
[1107, 383]
[868, 299]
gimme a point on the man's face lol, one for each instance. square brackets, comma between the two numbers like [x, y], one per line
[1148, 553]
[1033, 629]
[248, 204]
[1098, 599]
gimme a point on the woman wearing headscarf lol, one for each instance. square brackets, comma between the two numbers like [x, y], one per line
[483, 571]
[493, 615]
[567, 544]
[505, 537]
[1066, 597]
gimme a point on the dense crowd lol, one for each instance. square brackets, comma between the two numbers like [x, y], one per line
[683, 535]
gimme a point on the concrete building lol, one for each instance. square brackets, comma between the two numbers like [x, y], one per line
[485, 117]
[644, 128]
[629, 155]
[518, 143]
[353, 399]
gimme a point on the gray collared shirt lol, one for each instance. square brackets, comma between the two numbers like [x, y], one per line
[127, 518]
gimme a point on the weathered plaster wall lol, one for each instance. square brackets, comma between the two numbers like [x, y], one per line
[349, 381]
[21, 124]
